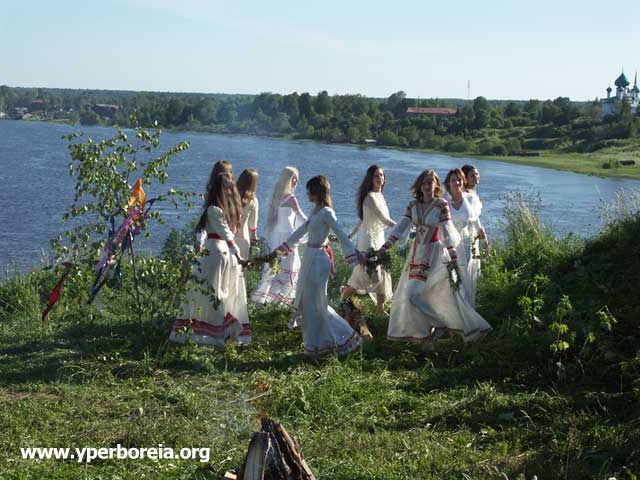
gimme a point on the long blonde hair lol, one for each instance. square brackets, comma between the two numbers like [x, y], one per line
[280, 189]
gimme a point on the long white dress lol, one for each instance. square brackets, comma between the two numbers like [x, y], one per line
[280, 287]
[323, 330]
[467, 223]
[215, 309]
[474, 263]
[425, 303]
[375, 218]
[249, 226]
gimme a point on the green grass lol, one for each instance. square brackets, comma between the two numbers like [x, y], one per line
[585, 163]
[506, 407]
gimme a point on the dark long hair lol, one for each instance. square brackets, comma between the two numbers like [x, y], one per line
[366, 186]
[223, 193]
[415, 188]
[247, 184]
[467, 168]
[221, 166]
[320, 187]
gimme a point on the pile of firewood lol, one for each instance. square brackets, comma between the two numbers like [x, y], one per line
[273, 455]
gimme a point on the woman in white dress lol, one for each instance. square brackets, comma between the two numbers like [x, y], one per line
[221, 166]
[374, 218]
[426, 301]
[323, 330]
[465, 219]
[215, 308]
[278, 286]
[248, 235]
[472, 177]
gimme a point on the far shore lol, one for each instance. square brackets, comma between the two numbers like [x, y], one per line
[603, 163]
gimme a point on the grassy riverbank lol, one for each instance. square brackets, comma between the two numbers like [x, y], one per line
[554, 391]
[603, 163]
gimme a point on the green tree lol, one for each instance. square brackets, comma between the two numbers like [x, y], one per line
[104, 173]
[205, 110]
[291, 106]
[533, 109]
[306, 106]
[323, 104]
[482, 113]
[281, 123]
[227, 113]
[89, 117]
[512, 109]
[174, 112]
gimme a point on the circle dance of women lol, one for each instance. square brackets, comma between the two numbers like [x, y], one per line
[435, 294]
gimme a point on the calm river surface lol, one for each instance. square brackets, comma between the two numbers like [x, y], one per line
[37, 189]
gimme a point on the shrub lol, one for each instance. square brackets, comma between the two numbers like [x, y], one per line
[492, 146]
[459, 145]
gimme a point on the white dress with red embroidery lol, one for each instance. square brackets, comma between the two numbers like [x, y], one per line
[375, 218]
[425, 303]
[280, 287]
[217, 274]
[249, 227]
[323, 330]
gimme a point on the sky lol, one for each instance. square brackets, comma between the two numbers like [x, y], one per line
[513, 50]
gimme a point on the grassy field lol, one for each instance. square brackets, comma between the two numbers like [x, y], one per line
[585, 163]
[508, 407]
[386, 412]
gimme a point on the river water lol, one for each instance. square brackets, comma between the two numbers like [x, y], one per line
[37, 189]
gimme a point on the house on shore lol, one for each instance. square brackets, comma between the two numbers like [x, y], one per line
[431, 111]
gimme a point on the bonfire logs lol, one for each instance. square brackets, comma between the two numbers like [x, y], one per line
[272, 455]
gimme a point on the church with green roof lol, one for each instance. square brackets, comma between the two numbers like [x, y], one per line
[611, 105]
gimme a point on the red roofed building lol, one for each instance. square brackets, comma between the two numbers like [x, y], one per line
[439, 111]
[38, 104]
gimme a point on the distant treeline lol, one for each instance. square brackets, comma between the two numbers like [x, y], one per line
[472, 126]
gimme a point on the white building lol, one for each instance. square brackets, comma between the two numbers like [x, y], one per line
[611, 105]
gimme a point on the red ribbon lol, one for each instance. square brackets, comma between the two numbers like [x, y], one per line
[55, 294]
[329, 250]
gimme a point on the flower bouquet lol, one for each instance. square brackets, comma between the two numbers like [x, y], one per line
[257, 263]
[454, 275]
[480, 248]
[375, 259]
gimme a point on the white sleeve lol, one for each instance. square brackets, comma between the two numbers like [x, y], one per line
[294, 238]
[451, 236]
[219, 225]
[253, 215]
[401, 229]
[329, 216]
[378, 212]
[355, 229]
